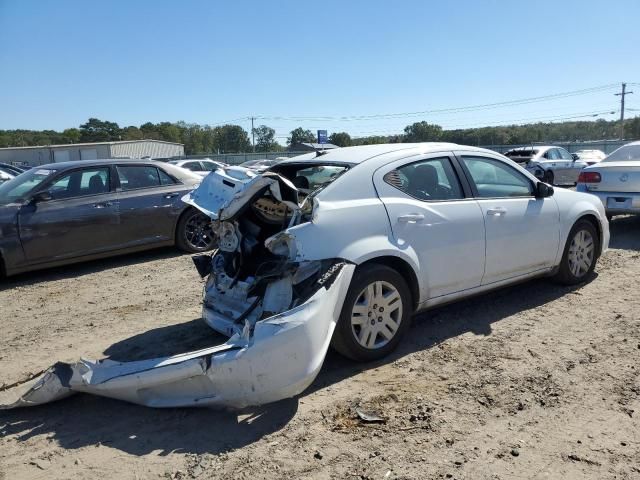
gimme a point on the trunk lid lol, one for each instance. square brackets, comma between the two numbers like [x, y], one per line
[616, 176]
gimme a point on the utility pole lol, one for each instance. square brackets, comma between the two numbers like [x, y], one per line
[253, 137]
[621, 95]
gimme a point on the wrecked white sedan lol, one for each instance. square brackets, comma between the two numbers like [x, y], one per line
[342, 249]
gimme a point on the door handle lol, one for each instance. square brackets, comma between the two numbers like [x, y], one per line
[497, 212]
[171, 195]
[411, 217]
[102, 204]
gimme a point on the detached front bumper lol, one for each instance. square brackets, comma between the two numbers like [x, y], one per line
[277, 360]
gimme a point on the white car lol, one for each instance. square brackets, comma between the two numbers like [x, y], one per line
[200, 167]
[615, 181]
[591, 157]
[384, 231]
[553, 165]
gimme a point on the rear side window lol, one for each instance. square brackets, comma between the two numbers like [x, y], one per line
[495, 179]
[133, 177]
[430, 180]
[193, 166]
[165, 178]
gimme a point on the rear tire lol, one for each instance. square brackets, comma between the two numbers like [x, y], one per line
[375, 316]
[548, 177]
[194, 233]
[580, 254]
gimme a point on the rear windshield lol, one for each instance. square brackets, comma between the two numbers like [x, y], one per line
[623, 154]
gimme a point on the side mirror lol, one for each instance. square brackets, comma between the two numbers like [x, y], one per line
[575, 157]
[543, 190]
[40, 197]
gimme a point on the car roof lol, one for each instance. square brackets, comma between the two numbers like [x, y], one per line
[359, 154]
[96, 163]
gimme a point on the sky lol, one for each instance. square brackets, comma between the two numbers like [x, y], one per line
[364, 67]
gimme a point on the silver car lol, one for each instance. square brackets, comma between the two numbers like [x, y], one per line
[615, 180]
[552, 165]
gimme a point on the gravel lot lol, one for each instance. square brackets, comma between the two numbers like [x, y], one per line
[534, 381]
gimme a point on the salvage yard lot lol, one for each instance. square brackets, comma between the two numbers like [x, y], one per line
[534, 381]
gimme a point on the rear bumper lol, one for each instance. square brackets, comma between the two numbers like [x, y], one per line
[616, 203]
[277, 360]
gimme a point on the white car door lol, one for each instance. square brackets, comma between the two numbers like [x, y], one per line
[522, 232]
[431, 214]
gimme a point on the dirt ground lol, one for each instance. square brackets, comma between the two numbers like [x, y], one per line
[534, 381]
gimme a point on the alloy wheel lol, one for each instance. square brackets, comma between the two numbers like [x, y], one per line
[581, 253]
[376, 315]
[198, 232]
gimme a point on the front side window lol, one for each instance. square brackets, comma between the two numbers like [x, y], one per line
[80, 183]
[134, 177]
[494, 178]
[209, 166]
[430, 180]
[564, 154]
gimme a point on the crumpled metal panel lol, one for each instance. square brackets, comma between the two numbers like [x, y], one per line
[225, 191]
[278, 360]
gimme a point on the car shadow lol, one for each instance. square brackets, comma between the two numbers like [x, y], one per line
[625, 232]
[88, 420]
[85, 268]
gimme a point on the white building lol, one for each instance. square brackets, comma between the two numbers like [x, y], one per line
[90, 151]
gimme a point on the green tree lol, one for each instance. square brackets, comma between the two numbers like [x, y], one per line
[99, 131]
[231, 139]
[300, 135]
[265, 138]
[132, 133]
[341, 139]
[422, 132]
[71, 135]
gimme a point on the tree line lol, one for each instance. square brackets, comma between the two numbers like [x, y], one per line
[203, 139]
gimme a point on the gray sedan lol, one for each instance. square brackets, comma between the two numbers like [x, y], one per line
[553, 165]
[73, 211]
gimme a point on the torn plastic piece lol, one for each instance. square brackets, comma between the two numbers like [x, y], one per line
[370, 417]
[279, 359]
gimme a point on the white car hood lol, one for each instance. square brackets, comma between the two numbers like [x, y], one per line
[224, 192]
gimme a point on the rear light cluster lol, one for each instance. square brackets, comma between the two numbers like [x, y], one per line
[589, 177]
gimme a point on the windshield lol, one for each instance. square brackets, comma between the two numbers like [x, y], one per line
[19, 188]
[623, 154]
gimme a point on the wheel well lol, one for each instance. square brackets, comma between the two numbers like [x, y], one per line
[180, 217]
[597, 225]
[404, 269]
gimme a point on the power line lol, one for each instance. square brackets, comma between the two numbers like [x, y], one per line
[469, 108]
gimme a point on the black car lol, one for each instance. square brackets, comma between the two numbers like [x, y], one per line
[73, 211]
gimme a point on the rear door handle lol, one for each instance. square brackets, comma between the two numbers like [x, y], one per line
[171, 195]
[102, 205]
[411, 217]
[497, 212]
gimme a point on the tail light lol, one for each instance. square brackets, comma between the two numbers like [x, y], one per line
[589, 177]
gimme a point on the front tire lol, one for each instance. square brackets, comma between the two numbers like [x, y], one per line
[548, 177]
[580, 254]
[375, 316]
[194, 233]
